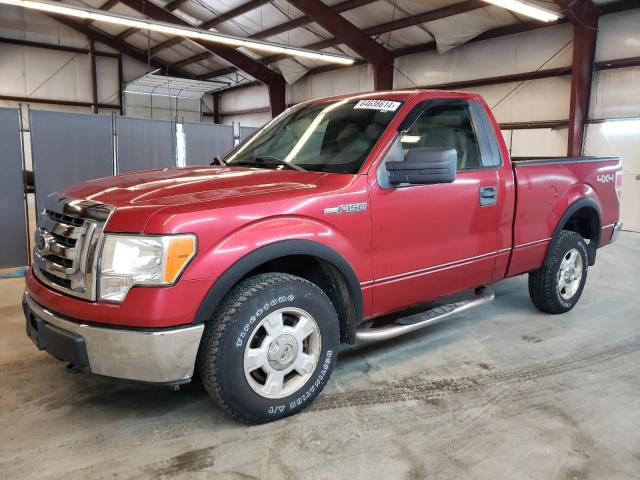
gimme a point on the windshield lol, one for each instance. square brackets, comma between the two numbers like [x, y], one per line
[333, 137]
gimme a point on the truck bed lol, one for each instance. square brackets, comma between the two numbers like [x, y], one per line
[545, 188]
[523, 161]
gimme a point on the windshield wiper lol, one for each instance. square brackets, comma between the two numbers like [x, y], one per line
[218, 161]
[269, 160]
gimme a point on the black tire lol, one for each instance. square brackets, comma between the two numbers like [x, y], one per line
[222, 349]
[544, 287]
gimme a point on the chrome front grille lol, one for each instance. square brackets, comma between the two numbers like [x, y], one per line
[67, 239]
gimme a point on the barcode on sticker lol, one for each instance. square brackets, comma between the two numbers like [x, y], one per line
[386, 105]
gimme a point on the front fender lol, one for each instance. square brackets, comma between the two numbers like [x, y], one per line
[255, 244]
[253, 236]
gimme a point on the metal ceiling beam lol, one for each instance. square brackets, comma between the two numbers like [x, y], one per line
[544, 124]
[52, 101]
[108, 5]
[432, 47]
[618, 63]
[260, 72]
[489, 34]
[127, 33]
[102, 37]
[577, 11]
[206, 25]
[171, 6]
[283, 27]
[52, 46]
[305, 19]
[176, 4]
[193, 59]
[234, 12]
[584, 17]
[424, 17]
[619, 6]
[502, 79]
[346, 32]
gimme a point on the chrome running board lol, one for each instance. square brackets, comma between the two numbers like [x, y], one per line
[420, 320]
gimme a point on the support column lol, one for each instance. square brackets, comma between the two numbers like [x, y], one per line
[358, 40]
[584, 50]
[94, 78]
[583, 15]
[383, 74]
[277, 97]
[121, 84]
[216, 107]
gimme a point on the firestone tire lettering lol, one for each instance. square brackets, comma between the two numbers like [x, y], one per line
[221, 356]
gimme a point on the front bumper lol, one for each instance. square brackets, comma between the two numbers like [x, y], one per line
[165, 356]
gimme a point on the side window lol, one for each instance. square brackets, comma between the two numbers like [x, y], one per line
[446, 126]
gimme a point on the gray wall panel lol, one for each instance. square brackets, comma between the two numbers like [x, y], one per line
[144, 144]
[246, 132]
[69, 148]
[204, 141]
[13, 222]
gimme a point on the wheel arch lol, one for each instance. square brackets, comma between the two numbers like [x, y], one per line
[336, 277]
[584, 217]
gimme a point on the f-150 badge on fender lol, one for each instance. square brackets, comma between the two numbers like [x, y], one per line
[347, 208]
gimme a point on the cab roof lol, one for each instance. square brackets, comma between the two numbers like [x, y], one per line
[399, 95]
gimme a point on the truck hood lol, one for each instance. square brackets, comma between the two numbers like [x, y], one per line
[138, 195]
[179, 186]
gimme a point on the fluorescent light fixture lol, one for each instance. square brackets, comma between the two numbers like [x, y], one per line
[527, 9]
[96, 15]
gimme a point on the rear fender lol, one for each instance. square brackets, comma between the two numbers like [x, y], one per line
[580, 195]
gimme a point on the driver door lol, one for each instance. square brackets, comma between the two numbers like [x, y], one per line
[434, 240]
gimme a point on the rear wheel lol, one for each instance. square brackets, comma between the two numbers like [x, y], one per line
[557, 286]
[271, 347]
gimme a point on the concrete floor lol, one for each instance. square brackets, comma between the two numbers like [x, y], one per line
[500, 392]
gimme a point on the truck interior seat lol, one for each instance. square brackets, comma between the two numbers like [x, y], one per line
[450, 131]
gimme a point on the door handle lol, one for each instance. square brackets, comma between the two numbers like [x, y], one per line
[488, 196]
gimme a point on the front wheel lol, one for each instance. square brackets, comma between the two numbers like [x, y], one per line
[557, 286]
[271, 347]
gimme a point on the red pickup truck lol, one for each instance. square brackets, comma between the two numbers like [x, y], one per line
[336, 213]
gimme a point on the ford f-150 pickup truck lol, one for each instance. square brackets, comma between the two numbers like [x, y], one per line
[336, 213]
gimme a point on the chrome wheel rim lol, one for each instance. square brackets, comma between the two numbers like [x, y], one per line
[282, 353]
[570, 274]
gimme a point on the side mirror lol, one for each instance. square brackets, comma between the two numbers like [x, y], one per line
[425, 166]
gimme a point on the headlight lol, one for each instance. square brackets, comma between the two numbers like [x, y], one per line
[129, 260]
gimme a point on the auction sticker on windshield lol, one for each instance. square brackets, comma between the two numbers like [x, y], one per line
[386, 105]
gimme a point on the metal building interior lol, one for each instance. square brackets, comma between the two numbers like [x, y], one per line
[95, 88]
